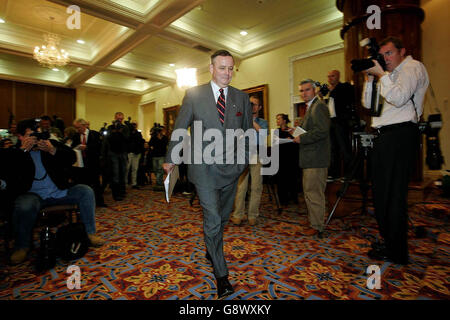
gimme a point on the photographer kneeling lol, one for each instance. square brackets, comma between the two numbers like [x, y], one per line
[42, 167]
[403, 88]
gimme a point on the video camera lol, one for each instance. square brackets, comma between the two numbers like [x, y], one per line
[323, 88]
[364, 64]
[157, 128]
[40, 135]
[430, 128]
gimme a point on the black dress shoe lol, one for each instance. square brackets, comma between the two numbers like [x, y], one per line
[320, 235]
[380, 246]
[207, 256]
[102, 205]
[375, 254]
[224, 287]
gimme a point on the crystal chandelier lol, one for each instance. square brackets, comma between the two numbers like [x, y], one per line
[48, 55]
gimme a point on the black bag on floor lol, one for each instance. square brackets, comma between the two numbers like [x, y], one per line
[72, 241]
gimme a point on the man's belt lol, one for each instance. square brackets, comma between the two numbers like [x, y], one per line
[394, 126]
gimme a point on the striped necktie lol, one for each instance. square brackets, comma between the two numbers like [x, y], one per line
[221, 106]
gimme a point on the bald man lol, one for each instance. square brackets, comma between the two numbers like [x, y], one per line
[340, 129]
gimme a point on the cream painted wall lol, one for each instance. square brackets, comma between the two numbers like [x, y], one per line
[101, 107]
[436, 53]
[164, 98]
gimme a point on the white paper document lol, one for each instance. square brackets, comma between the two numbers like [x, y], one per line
[283, 140]
[170, 182]
[298, 131]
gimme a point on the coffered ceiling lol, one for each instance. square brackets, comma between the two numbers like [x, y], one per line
[129, 40]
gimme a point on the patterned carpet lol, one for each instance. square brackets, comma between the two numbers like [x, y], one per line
[155, 250]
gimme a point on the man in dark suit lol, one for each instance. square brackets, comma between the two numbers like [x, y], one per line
[220, 107]
[314, 155]
[90, 144]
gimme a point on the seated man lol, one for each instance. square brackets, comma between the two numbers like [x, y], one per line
[42, 168]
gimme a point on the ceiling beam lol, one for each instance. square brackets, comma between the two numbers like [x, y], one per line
[161, 16]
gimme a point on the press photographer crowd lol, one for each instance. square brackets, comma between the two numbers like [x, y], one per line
[44, 163]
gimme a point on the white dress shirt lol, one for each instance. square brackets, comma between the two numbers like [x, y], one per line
[408, 79]
[86, 132]
[216, 88]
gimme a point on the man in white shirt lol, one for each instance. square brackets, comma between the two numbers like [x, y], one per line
[403, 89]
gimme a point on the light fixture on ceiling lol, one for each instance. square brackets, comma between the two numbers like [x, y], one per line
[49, 55]
[80, 41]
[2, 21]
[172, 64]
[138, 80]
[55, 69]
[186, 77]
[243, 33]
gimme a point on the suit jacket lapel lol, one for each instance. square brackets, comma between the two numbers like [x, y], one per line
[229, 106]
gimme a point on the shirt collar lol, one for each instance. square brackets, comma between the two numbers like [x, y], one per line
[400, 66]
[310, 102]
[216, 89]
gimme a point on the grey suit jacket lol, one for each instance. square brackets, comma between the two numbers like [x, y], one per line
[199, 105]
[315, 143]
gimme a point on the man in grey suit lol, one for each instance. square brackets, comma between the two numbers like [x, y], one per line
[219, 107]
[314, 155]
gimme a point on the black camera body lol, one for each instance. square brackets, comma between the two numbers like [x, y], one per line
[323, 88]
[157, 128]
[430, 129]
[359, 65]
[44, 135]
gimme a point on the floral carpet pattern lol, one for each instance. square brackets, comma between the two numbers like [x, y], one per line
[155, 250]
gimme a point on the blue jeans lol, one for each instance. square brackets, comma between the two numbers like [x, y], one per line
[158, 169]
[119, 163]
[27, 206]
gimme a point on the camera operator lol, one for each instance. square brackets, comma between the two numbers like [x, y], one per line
[135, 149]
[403, 88]
[41, 168]
[342, 94]
[116, 149]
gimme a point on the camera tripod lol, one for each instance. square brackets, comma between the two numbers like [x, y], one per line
[359, 162]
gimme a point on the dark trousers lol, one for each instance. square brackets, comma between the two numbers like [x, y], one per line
[394, 153]
[90, 177]
[217, 205]
[341, 150]
[118, 171]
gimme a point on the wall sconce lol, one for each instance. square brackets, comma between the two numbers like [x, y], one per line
[186, 77]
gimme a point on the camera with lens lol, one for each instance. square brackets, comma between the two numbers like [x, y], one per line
[364, 64]
[40, 135]
[430, 129]
[323, 88]
[157, 128]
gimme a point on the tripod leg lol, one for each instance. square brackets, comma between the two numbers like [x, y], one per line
[356, 163]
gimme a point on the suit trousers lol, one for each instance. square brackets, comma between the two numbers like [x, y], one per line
[393, 154]
[133, 163]
[217, 205]
[256, 186]
[314, 184]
